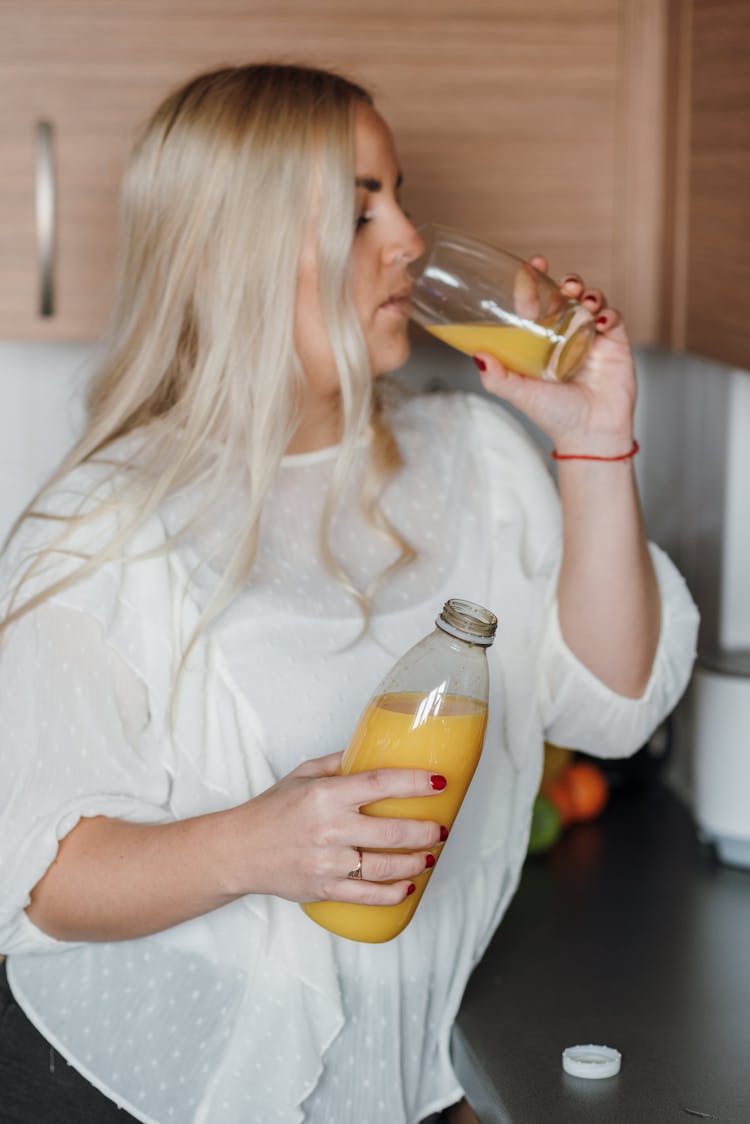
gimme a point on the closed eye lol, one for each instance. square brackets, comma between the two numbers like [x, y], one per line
[373, 186]
[363, 219]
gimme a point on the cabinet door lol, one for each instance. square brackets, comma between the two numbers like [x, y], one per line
[711, 157]
[510, 117]
[93, 73]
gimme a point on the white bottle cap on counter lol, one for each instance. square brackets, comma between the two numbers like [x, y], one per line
[591, 1062]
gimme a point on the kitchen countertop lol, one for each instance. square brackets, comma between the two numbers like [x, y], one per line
[630, 934]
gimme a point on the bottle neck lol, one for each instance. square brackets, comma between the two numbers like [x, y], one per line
[468, 622]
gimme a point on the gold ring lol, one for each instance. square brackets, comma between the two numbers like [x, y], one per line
[357, 872]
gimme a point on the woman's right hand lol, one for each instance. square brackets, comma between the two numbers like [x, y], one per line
[299, 839]
[118, 880]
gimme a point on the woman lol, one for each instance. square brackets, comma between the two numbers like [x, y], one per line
[202, 600]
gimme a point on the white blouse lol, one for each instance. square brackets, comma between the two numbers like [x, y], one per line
[253, 1013]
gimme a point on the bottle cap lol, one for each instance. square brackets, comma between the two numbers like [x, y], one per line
[591, 1062]
[468, 621]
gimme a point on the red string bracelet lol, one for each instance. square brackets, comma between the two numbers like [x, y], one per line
[589, 457]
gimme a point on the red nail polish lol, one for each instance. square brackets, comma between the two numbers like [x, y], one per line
[429, 860]
[443, 834]
[601, 319]
[411, 888]
[480, 363]
[438, 782]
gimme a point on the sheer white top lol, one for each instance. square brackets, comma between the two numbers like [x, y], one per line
[253, 1013]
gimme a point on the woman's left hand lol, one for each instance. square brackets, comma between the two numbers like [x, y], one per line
[593, 411]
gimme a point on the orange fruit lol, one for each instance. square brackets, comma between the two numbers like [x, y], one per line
[581, 792]
[560, 795]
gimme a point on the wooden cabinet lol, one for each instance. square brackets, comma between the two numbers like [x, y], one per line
[538, 124]
[710, 183]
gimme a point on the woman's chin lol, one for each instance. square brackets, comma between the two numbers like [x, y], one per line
[392, 358]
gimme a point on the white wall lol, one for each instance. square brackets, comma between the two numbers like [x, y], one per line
[42, 390]
[735, 578]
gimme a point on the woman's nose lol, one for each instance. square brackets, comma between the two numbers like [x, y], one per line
[408, 246]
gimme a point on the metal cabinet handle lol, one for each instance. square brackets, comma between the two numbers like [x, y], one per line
[45, 216]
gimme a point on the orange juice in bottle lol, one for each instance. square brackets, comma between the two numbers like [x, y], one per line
[430, 712]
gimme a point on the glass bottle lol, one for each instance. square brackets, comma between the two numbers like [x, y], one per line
[429, 712]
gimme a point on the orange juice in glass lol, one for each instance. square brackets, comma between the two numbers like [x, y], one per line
[478, 298]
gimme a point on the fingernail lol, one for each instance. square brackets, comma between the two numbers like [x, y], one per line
[570, 279]
[438, 782]
[443, 834]
[429, 860]
[480, 363]
[590, 297]
[410, 889]
[601, 319]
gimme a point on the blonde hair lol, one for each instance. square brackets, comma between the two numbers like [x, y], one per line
[200, 356]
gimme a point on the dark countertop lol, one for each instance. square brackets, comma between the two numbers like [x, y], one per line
[628, 934]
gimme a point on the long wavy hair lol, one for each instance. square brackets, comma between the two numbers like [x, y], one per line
[199, 358]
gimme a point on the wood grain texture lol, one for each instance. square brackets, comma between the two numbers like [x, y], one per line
[677, 177]
[641, 164]
[717, 302]
[508, 116]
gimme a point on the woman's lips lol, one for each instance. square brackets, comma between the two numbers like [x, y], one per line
[399, 303]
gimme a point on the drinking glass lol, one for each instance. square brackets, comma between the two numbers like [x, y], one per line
[478, 298]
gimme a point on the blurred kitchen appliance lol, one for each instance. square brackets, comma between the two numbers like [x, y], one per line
[721, 759]
[697, 500]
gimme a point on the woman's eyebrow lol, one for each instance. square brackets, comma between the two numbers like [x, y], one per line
[369, 183]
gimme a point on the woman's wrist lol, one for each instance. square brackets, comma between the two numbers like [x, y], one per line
[227, 845]
[604, 444]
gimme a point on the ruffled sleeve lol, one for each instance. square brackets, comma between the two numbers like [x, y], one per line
[79, 734]
[76, 740]
[582, 712]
